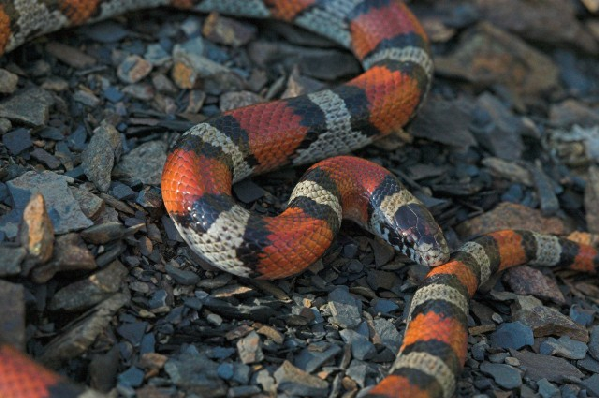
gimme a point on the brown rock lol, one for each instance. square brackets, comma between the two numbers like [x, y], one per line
[436, 30]
[487, 56]
[232, 290]
[133, 69]
[591, 5]
[528, 280]
[152, 391]
[100, 155]
[288, 376]
[140, 91]
[8, 82]
[70, 55]
[239, 332]
[36, 232]
[43, 156]
[552, 22]
[184, 76]
[80, 335]
[227, 31]
[525, 303]
[553, 369]
[196, 101]
[103, 233]
[55, 83]
[546, 321]
[91, 204]
[445, 122]
[506, 169]
[85, 293]
[513, 216]
[250, 348]
[298, 84]
[70, 253]
[481, 330]
[152, 360]
[271, 333]
[571, 111]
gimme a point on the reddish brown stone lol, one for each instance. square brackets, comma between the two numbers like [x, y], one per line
[37, 232]
[227, 31]
[488, 56]
[513, 216]
[545, 321]
[552, 22]
[528, 280]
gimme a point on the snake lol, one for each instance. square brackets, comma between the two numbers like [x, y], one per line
[319, 128]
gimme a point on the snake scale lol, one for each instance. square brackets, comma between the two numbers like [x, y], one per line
[319, 127]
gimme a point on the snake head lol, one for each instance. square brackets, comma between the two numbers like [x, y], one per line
[414, 232]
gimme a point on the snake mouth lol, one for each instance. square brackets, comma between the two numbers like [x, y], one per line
[428, 250]
[431, 250]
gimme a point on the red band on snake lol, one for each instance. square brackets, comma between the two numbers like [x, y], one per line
[208, 159]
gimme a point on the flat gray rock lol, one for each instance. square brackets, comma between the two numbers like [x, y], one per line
[63, 209]
[31, 107]
[100, 155]
[144, 163]
[345, 308]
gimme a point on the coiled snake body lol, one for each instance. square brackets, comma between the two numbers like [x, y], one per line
[208, 159]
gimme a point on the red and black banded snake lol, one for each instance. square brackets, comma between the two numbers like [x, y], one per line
[197, 179]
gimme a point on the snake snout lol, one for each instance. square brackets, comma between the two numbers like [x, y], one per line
[420, 236]
[431, 250]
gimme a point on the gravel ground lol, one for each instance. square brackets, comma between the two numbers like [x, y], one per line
[112, 297]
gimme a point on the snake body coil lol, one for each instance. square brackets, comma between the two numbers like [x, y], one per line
[197, 177]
